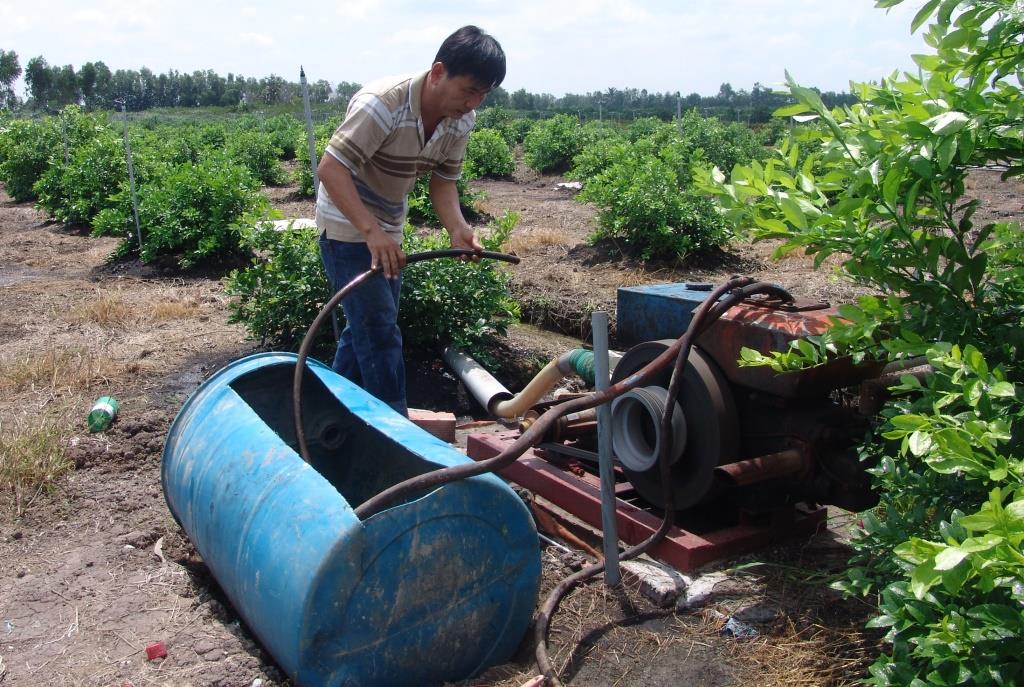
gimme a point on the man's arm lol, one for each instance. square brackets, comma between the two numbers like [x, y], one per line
[384, 250]
[445, 198]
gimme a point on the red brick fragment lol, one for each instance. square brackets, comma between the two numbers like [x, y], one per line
[156, 650]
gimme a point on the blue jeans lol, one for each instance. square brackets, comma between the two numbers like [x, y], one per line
[370, 348]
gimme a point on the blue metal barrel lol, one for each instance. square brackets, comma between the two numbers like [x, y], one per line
[431, 590]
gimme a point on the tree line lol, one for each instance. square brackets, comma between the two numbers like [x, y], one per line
[94, 86]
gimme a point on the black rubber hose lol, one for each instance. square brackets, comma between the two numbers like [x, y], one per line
[535, 433]
[325, 312]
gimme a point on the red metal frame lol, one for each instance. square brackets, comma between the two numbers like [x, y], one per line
[581, 496]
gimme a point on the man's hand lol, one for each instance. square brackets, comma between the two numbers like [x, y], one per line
[385, 252]
[465, 237]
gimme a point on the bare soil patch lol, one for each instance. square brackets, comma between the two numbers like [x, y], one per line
[94, 569]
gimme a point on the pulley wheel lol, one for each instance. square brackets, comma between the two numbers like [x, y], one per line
[712, 427]
[636, 428]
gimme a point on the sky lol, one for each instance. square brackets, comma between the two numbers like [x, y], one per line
[552, 46]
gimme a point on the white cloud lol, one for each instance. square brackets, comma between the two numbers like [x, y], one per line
[357, 10]
[256, 39]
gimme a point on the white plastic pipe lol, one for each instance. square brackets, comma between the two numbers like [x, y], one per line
[499, 401]
[480, 383]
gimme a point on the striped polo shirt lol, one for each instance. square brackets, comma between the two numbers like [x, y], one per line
[381, 144]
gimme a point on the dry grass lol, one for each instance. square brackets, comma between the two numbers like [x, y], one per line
[811, 657]
[33, 454]
[108, 310]
[112, 310]
[526, 242]
[61, 370]
[615, 637]
[173, 309]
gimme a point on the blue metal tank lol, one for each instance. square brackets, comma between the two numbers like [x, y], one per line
[431, 590]
[656, 311]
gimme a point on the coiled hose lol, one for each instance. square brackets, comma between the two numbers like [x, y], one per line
[717, 303]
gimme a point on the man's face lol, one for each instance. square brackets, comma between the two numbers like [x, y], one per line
[459, 94]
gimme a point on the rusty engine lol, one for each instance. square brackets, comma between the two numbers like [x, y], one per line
[740, 435]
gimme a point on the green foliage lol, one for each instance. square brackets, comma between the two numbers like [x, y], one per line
[516, 130]
[645, 127]
[421, 210]
[881, 184]
[75, 193]
[643, 205]
[503, 120]
[771, 132]
[30, 148]
[258, 152]
[285, 133]
[452, 300]
[279, 295]
[25, 151]
[723, 145]
[951, 585]
[193, 211]
[596, 156]
[489, 154]
[641, 180]
[552, 143]
[444, 300]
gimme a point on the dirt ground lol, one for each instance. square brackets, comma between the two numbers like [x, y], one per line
[95, 568]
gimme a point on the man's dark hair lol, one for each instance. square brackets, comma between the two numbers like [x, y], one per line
[470, 51]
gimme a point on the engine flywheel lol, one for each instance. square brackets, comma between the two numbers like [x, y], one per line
[712, 426]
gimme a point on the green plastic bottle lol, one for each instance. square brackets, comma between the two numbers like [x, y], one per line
[103, 412]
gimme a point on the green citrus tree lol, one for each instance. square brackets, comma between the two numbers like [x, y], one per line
[881, 184]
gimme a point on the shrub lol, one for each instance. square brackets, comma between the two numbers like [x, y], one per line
[26, 148]
[645, 127]
[304, 171]
[192, 211]
[883, 188]
[489, 154]
[643, 206]
[595, 157]
[77, 192]
[258, 153]
[641, 181]
[495, 117]
[443, 300]
[515, 131]
[207, 136]
[177, 145]
[285, 133]
[451, 301]
[772, 132]
[503, 120]
[421, 210]
[281, 292]
[723, 145]
[552, 143]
